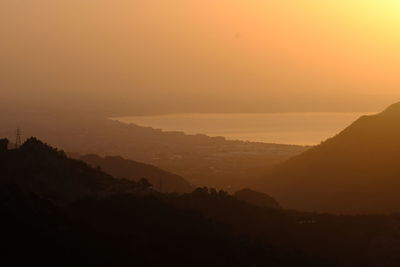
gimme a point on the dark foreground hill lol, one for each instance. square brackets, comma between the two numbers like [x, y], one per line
[122, 168]
[104, 221]
[100, 224]
[358, 171]
[37, 167]
[257, 199]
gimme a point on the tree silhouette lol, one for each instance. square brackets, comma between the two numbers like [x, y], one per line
[3, 144]
[144, 184]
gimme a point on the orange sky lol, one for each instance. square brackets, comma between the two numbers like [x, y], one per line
[205, 55]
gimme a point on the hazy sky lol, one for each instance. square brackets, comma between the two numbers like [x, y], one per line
[201, 55]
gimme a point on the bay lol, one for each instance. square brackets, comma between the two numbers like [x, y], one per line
[283, 128]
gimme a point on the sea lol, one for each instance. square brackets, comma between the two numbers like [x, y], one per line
[283, 128]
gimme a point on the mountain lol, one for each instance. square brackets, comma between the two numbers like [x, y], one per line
[122, 168]
[257, 198]
[357, 171]
[347, 240]
[59, 211]
[124, 230]
[39, 168]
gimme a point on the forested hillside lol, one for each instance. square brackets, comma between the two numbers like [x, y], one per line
[76, 213]
[357, 171]
[161, 180]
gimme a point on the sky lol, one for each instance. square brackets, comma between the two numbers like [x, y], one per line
[168, 56]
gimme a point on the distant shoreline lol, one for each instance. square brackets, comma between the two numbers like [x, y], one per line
[146, 114]
[295, 128]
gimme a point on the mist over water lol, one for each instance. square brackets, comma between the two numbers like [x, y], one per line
[284, 128]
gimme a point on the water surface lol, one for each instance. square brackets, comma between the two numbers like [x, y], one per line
[285, 128]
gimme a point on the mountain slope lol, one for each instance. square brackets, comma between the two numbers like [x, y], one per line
[122, 168]
[257, 198]
[204, 228]
[37, 167]
[357, 171]
[102, 223]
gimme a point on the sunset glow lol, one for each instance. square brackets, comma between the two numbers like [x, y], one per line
[313, 51]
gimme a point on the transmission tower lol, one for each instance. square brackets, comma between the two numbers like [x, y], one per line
[18, 141]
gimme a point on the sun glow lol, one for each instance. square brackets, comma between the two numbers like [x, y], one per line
[202, 49]
[385, 13]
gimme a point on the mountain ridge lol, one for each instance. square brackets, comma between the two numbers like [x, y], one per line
[120, 167]
[356, 171]
[393, 109]
[39, 168]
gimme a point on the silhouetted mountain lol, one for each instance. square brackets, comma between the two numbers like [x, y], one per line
[122, 168]
[131, 227]
[346, 240]
[257, 198]
[39, 168]
[357, 171]
[108, 227]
